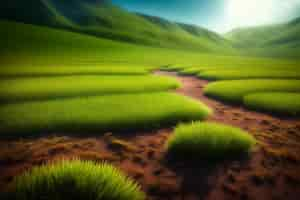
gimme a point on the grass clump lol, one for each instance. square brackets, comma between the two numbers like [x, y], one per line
[41, 88]
[190, 71]
[222, 74]
[81, 180]
[99, 113]
[235, 90]
[275, 102]
[209, 140]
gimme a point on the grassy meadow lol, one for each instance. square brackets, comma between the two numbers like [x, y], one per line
[99, 113]
[75, 69]
[37, 88]
[56, 81]
[47, 81]
[86, 69]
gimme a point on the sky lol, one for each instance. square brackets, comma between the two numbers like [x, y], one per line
[217, 15]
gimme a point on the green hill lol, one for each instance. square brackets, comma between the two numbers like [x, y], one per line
[102, 19]
[276, 40]
[44, 46]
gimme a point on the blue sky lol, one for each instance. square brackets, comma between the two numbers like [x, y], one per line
[217, 15]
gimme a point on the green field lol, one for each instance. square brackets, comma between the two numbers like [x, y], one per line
[79, 69]
[49, 67]
[103, 19]
[103, 67]
[37, 88]
[99, 114]
[41, 46]
[28, 78]
[87, 71]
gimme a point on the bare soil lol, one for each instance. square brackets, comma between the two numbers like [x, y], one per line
[272, 171]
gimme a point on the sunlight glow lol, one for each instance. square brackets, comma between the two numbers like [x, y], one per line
[258, 12]
[250, 12]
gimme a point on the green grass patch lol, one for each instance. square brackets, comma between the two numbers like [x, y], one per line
[235, 90]
[11, 72]
[240, 69]
[171, 68]
[249, 74]
[99, 113]
[82, 180]
[190, 71]
[39, 88]
[280, 103]
[209, 140]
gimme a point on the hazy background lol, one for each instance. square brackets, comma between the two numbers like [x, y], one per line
[218, 15]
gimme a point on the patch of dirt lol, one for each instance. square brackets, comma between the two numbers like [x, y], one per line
[271, 172]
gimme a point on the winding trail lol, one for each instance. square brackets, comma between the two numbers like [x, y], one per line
[272, 169]
[237, 115]
[271, 172]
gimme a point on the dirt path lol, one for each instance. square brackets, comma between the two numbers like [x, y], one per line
[272, 171]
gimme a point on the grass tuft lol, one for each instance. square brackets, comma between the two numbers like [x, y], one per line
[275, 102]
[209, 140]
[81, 180]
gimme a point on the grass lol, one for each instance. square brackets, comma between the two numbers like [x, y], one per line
[207, 62]
[41, 46]
[235, 90]
[209, 140]
[41, 88]
[82, 180]
[279, 40]
[109, 69]
[280, 103]
[240, 80]
[249, 74]
[190, 70]
[99, 114]
[240, 67]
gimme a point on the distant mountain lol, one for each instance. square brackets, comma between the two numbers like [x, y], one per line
[275, 40]
[102, 19]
